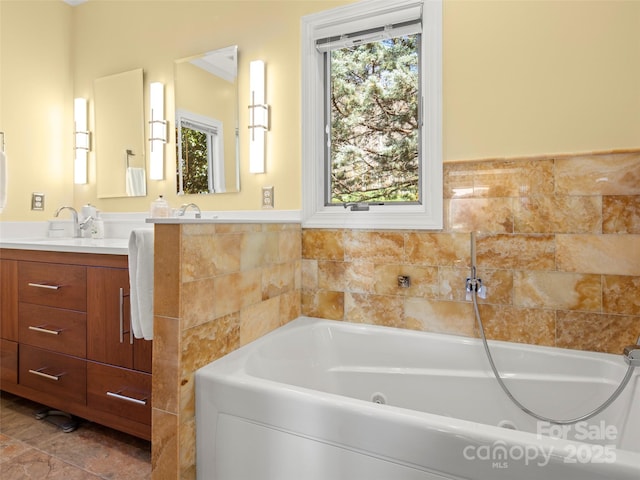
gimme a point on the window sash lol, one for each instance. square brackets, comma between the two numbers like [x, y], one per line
[370, 35]
[392, 13]
[328, 158]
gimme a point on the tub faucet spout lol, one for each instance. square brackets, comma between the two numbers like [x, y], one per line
[74, 215]
[184, 208]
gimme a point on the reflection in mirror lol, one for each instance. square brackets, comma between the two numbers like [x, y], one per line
[206, 90]
[119, 135]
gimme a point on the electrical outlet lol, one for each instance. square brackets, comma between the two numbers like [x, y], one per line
[267, 197]
[37, 201]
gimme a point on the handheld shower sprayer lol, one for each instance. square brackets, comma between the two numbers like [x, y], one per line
[473, 283]
[631, 354]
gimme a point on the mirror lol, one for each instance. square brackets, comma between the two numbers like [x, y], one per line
[119, 135]
[206, 99]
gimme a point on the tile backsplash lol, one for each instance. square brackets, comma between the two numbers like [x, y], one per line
[557, 245]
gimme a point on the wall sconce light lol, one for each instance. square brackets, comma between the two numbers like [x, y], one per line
[158, 131]
[258, 117]
[82, 140]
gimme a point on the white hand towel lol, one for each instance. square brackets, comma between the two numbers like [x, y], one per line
[3, 180]
[141, 282]
[135, 182]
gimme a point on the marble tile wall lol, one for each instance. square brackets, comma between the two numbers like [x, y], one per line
[217, 287]
[558, 247]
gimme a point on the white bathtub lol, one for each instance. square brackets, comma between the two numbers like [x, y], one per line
[299, 404]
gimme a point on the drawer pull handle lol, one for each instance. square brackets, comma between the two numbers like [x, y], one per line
[121, 298]
[127, 399]
[40, 373]
[44, 285]
[45, 330]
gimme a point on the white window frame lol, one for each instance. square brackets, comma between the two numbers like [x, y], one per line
[347, 19]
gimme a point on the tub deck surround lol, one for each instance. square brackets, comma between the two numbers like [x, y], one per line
[232, 217]
[305, 399]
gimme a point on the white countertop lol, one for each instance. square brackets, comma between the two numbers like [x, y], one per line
[110, 246]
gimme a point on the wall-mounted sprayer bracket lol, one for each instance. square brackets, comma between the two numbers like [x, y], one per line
[473, 284]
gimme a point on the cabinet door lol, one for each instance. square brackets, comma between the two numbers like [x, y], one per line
[8, 362]
[109, 337]
[142, 354]
[9, 300]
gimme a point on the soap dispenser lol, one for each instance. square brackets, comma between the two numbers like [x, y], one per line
[160, 208]
[97, 226]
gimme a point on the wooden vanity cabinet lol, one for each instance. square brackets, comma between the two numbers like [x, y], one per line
[66, 337]
[8, 322]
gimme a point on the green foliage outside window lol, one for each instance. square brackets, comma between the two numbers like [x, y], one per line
[374, 122]
[194, 162]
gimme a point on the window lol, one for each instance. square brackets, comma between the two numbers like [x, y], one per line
[371, 98]
[200, 154]
[372, 116]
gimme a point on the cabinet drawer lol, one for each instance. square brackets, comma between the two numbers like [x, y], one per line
[55, 285]
[60, 330]
[8, 361]
[120, 391]
[54, 373]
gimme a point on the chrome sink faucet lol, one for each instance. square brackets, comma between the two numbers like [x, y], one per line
[74, 214]
[184, 207]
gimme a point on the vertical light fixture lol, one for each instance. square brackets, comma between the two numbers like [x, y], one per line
[157, 131]
[82, 142]
[258, 117]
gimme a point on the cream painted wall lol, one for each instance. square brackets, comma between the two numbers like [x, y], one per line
[538, 77]
[520, 78]
[36, 105]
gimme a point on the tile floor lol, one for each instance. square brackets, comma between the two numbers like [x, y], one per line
[36, 449]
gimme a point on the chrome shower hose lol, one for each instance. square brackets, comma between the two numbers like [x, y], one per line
[593, 413]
